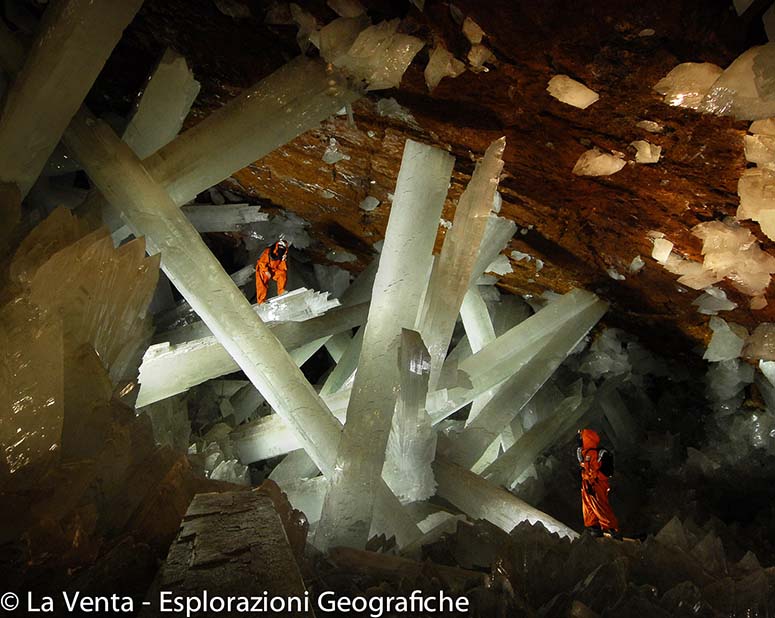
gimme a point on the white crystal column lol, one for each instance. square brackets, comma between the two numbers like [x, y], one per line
[414, 218]
[502, 358]
[476, 319]
[412, 442]
[73, 43]
[471, 443]
[163, 106]
[453, 270]
[294, 99]
[172, 368]
[480, 499]
[201, 279]
[523, 453]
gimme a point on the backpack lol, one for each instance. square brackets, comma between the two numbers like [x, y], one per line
[606, 462]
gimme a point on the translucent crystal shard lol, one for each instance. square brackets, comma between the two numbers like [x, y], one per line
[745, 89]
[453, 270]
[412, 443]
[688, 83]
[727, 341]
[756, 189]
[596, 163]
[480, 499]
[378, 56]
[646, 152]
[163, 105]
[567, 90]
[224, 218]
[440, 65]
[400, 281]
[74, 41]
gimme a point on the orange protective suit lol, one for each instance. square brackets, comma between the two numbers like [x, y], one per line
[594, 485]
[271, 265]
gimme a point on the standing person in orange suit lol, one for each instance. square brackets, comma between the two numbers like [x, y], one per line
[596, 467]
[272, 264]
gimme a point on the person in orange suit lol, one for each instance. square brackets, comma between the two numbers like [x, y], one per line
[598, 514]
[272, 264]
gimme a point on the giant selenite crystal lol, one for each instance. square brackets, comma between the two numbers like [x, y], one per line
[412, 443]
[290, 101]
[540, 358]
[399, 285]
[201, 279]
[74, 41]
[453, 270]
[172, 367]
[163, 106]
[480, 499]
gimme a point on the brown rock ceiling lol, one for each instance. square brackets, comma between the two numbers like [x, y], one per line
[579, 227]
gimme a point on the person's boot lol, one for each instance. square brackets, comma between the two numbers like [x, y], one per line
[595, 531]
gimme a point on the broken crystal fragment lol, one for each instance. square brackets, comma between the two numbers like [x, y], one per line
[567, 90]
[478, 56]
[745, 89]
[615, 274]
[636, 264]
[596, 163]
[369, 203]
[727, 341]
[332, 154]
[756, 189]
[763, 127]
[760, 149]
[661, 250]
[163, 106]
[688, 83]
[712, 301]
[440, 65]
[650, 126]
[472, 31]
[646, 152]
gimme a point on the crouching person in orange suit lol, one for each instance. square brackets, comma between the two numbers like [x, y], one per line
[272, 264]
[595, 462]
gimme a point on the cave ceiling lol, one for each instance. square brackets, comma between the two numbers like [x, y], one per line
[579, 227]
